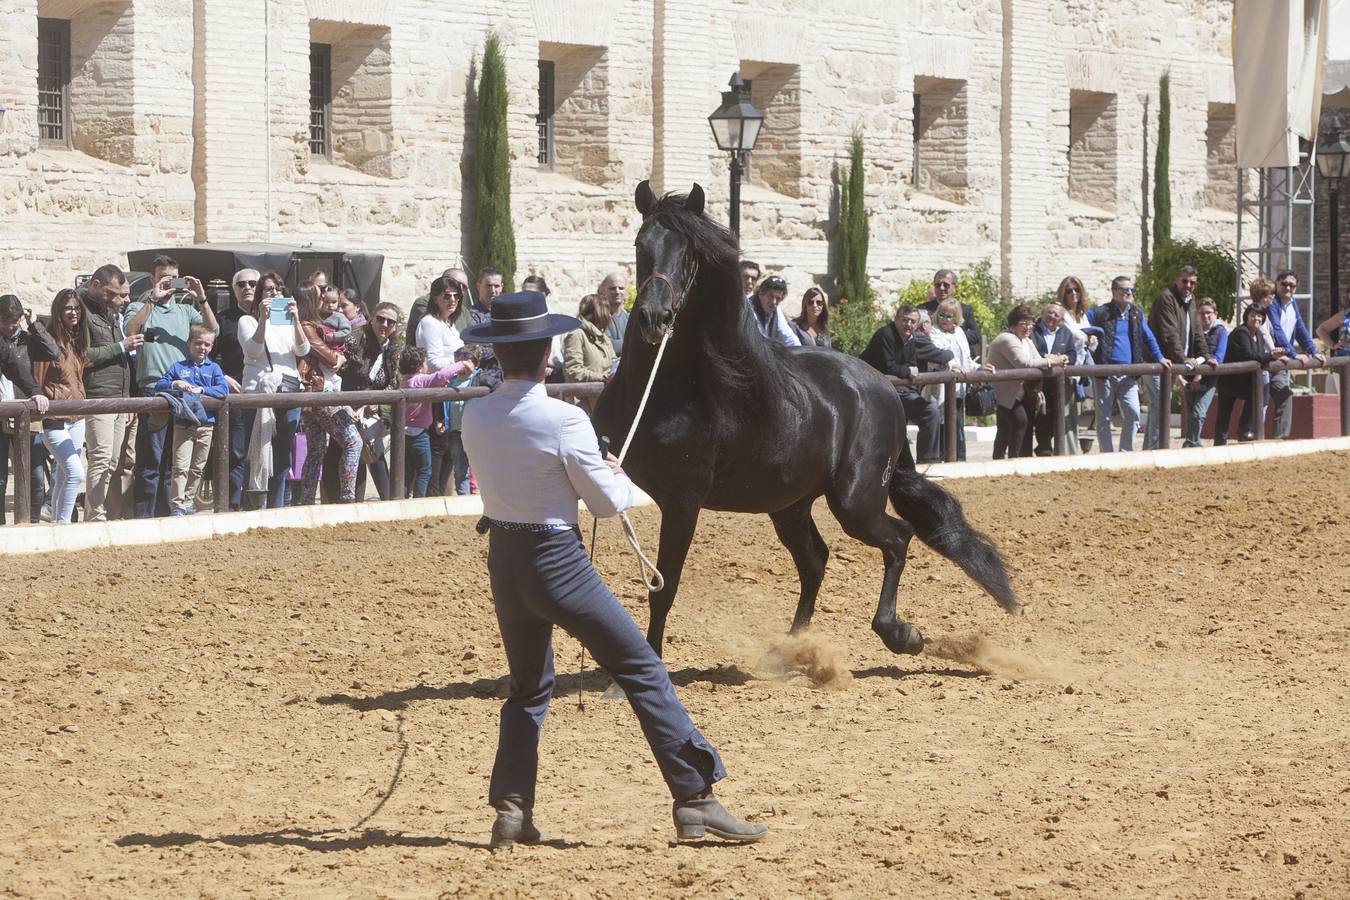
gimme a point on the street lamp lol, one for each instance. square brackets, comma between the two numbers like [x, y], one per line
[1333, 165]
[735, 127]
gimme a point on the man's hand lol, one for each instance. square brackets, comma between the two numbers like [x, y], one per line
[613, 462]
[132, 341]
[161, 291]
[27, 317]
[196, 290]
[41, 403]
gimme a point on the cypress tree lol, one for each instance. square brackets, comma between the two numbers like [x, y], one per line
[1162, 192]
[853, 233]
[493, 241]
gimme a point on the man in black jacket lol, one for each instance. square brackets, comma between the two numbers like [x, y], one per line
[107, 376]
[899, 349]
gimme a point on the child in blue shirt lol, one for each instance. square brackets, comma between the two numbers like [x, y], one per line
[200, 376]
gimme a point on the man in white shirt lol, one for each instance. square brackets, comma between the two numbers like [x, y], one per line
[534, 457]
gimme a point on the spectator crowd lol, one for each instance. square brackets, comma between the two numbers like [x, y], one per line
[98, 342]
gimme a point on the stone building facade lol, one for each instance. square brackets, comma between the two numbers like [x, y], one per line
[1013, 130]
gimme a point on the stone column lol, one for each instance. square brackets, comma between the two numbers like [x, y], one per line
[1028, 187]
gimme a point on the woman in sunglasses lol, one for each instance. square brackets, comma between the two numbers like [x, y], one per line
[63, 379]
[812, 327]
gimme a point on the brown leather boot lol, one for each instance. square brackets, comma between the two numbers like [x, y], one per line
[515, 822]
[700, 815]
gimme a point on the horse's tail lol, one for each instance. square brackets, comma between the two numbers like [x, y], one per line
[940, 523]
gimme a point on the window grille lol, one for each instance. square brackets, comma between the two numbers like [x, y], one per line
[54, 81]
[320, 100]
[544, 120]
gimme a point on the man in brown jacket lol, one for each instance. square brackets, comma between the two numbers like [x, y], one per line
[108, 375]
[1173, 321]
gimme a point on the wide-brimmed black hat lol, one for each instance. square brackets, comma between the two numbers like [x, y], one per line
[522, 316]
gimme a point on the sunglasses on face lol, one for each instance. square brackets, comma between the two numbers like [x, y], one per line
[1289, 284]
[246, 284]
[70, 309]
[1073, 290]
[947, 317]
[1126, 290]
[385, 320]
[815, 301]
[943, 286]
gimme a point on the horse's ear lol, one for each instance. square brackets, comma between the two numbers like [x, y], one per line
[645, 198]
[694, 202]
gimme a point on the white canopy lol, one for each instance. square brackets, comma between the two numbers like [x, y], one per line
[1278, 51]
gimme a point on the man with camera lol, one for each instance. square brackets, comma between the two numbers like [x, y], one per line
[164, 315]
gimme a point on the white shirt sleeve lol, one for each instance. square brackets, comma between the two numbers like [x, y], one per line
[604, 492]
[785, 333]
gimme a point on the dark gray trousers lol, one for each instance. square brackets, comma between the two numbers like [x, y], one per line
[543, 579]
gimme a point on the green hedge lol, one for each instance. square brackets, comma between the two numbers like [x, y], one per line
[1213, 262]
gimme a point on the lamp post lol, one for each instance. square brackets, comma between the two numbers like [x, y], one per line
[1333, 165]
[735, 127]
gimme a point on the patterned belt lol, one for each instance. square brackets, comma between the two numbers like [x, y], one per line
[485, 523]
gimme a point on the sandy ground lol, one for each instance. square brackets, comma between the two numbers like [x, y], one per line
[314, 715]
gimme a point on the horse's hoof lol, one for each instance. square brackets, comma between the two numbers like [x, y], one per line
[900, 638]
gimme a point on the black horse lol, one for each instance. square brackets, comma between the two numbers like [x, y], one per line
[739, 423]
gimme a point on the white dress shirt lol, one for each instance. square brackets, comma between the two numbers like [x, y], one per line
[534, 457]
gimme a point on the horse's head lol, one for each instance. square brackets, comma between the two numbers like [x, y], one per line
[665, 266]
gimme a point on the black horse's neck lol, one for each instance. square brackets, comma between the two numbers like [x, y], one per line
[715, 357]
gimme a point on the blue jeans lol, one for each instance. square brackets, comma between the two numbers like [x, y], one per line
[38, 456]
[241, 425]
[1198, 399]
[1156, 417]
[543, 579]
[154, 467]
[460, 461]
[283, 453]
[418, 447]
[1122, 390]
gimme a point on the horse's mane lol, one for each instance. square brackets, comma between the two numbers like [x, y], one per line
[742, 376]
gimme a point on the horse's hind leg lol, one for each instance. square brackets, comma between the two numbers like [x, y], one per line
[865, 520]
[799, 534]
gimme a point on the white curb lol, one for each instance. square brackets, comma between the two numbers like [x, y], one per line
[45, 538]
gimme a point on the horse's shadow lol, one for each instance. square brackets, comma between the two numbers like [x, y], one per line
[327, 840]
[596, 682]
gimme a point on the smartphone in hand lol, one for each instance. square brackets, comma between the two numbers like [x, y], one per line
[277, 314]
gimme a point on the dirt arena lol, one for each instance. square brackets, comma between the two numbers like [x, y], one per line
[291, 714]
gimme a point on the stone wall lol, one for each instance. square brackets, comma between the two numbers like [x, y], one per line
[191, 124]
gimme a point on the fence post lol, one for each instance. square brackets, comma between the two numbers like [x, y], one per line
[1061, 395]
[1165, 410]
[951, 420]
[220, 439]
[1343, 373]
[1258, 401]
[23, 468]
[399, 412]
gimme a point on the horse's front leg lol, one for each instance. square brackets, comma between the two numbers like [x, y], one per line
[678, 521]
[809, 551]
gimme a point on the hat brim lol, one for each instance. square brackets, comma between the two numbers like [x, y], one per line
[551, 325]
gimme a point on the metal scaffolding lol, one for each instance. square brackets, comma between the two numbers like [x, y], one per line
[1275, 227]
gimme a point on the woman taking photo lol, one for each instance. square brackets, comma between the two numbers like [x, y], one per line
[273, 343]
[319, 374]
[812, 327]
[1018, 401]
[588, 352]
[63, 379]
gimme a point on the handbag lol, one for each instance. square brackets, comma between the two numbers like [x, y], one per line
[980, 400]
[290, 384]
[374, 439]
